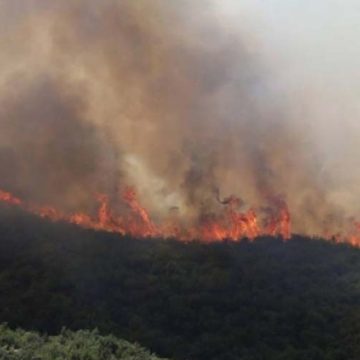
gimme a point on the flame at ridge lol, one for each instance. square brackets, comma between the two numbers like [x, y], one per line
[230, 224]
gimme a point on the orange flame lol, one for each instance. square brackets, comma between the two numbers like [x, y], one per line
[9, 198]
[231, 224]
[140, 223]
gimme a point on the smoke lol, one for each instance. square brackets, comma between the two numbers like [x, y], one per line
[166, 96]
[312, 52]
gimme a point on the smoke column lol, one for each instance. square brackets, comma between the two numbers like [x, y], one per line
[188, 104]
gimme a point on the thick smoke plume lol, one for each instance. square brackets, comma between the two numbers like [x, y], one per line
[159, 95]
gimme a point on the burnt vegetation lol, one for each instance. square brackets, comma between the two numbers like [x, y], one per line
[266, 299]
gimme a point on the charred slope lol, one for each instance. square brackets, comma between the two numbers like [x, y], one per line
[262, 300]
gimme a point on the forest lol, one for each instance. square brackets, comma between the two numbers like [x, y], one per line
[250, 300]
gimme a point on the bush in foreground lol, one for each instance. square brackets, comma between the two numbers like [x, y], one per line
[69, 345]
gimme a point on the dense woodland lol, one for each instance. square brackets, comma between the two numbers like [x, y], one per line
[267, 299]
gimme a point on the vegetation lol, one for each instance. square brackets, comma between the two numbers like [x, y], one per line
[80, 345]
[266, 299]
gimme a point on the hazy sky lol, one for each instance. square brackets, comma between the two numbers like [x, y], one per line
[313, 50]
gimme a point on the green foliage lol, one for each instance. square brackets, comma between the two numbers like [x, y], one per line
[69, 345]
[266, 299]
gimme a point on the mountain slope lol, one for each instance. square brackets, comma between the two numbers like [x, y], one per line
[262, 300]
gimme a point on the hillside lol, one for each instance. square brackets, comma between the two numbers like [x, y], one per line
[81, 345]
[248, 300]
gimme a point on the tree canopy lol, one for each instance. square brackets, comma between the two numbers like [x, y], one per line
[266, 299]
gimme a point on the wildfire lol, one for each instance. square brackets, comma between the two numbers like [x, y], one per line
[231, 223]
[9, 198]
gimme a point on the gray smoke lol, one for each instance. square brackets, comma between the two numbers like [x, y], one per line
[156, 94]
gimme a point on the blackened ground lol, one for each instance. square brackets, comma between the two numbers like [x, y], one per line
[249, 300]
